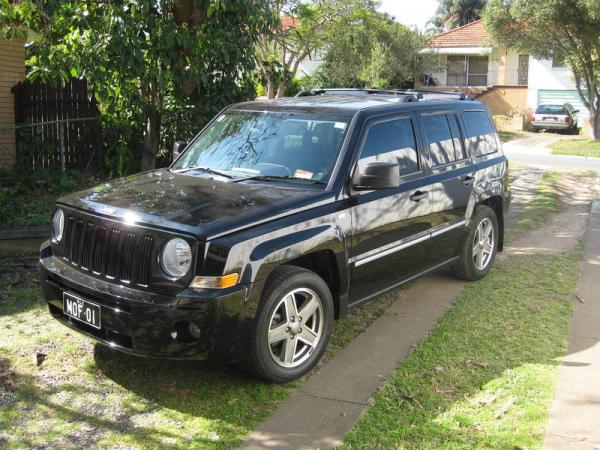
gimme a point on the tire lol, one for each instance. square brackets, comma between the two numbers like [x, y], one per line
[279, 330]
[471, 265]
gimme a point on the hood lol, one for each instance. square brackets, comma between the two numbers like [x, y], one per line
[193, 204]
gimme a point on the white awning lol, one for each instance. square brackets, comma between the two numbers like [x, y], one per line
[458, 50]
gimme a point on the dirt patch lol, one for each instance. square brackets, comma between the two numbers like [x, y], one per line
[564, 230]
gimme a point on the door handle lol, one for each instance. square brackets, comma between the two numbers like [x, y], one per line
[418, 196]
[468, 180]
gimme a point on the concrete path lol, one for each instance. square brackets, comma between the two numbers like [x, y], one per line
[575, 415]
[328, 405]
[532, 150]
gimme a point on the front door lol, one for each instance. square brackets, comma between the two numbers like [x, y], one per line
[390, 226]
[523, 70]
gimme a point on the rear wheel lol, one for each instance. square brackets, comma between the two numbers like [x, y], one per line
[479, 248]
[292, 326]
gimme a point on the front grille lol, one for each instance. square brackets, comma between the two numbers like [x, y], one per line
[107, 251]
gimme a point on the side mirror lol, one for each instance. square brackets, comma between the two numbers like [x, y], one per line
[377, 175]
[178, 148]
[575, 111]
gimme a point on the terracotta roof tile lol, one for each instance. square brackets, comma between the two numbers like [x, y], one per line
[289, 22]
[472, 34]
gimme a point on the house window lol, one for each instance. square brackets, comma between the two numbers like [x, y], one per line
[467, 70]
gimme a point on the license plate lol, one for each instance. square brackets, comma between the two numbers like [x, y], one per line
[549, 119]
[80, 309]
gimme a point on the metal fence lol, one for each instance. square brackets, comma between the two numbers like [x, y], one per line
[65, 144]
[56, 127]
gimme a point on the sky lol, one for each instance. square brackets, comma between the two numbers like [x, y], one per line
[410, 12]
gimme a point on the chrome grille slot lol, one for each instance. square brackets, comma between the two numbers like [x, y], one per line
[108, 252]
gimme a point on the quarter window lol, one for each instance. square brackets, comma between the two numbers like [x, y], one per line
[391, 141]
[443, 135]
[481, 137]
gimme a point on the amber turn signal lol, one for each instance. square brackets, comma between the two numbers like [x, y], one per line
[221, 282]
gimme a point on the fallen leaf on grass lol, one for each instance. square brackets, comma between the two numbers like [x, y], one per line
[487, 399]
[445, 391]
[505, 407]
[477, 362]
[39, 358]
[440, 369]
[412, 399]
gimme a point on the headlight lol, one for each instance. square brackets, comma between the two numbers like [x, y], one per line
[176, 258]
[58, 225]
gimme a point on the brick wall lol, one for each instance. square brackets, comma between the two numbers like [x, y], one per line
[503, 100]
[12, 70]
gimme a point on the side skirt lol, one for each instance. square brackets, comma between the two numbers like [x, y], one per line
[372, 297]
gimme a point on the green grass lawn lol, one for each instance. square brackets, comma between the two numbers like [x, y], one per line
[576, 147]
[85, 396]
[484, 377]
[507, 136]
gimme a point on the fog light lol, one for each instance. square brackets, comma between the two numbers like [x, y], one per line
[186, 332]
[195, 330]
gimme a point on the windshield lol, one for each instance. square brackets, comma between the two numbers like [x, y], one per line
[240, 144]
[551, 109]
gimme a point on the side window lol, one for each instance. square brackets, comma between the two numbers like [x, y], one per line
[443, 136]
[391, 141]
[481, 137]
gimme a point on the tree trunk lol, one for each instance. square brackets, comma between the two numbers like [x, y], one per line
[270, 87]
[595, 121]
[281, 88]
[151, 140]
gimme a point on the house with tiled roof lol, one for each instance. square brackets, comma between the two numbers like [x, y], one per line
[505, 79]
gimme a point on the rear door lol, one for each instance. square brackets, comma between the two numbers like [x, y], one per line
[390, 226]
[453, 176]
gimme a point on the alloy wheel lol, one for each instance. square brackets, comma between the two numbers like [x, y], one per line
[483, 244]
[295, 327]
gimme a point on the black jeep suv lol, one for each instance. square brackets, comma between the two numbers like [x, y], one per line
[279, 217]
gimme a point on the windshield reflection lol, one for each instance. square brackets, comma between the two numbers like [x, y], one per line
[251, 145]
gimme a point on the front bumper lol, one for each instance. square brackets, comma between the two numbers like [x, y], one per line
[149, 324]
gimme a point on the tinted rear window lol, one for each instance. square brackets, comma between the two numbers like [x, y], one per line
[443, 135]
[551, 109]
[481, 136]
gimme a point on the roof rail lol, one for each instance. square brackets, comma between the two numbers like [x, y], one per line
[423, 92]
[409, 97]
[413, 94]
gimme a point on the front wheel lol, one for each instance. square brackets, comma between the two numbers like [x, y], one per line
[479, 248]
[292, 326]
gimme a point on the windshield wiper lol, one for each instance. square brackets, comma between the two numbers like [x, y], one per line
[278, 177]
[207, 170]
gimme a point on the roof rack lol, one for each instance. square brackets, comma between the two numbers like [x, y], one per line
[406, 97]
[411, 94]
[423, 92]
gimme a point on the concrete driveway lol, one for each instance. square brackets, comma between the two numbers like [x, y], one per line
[532, 150]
